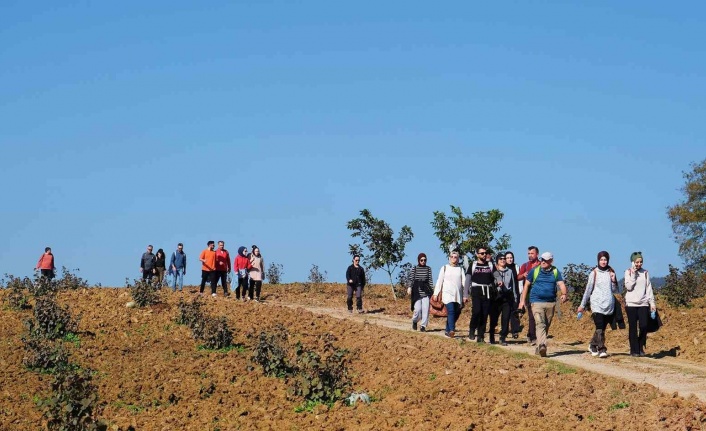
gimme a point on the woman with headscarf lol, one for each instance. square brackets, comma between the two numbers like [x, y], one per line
[449, 289]
[639, 303]
[602, 284]
[420, 288]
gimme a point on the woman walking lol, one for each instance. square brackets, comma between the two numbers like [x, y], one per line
[639, 303]
[420, 289]
[602, 284]
[449, 288]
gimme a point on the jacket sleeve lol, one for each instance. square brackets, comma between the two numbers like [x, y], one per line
[630, 279]
[589, 289]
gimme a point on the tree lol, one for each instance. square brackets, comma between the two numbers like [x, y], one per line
[468, 233]
[380, 250]
[689, 218]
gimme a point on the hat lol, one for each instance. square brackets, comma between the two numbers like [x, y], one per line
[546, 256]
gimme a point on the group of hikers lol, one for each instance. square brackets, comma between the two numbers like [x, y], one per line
[499, 289]
[248, 266]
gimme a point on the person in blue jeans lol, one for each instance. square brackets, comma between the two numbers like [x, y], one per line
[449, 288]
[177, 267]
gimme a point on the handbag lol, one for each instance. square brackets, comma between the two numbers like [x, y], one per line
[438, 308]
[653, 325]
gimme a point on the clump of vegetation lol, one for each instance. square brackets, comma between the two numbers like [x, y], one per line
[682, 287]
[143, 293]
[576, 278]
[316, 276]
[17, 298]
[216, 334]
[51, 321]
[321, 379]
[271, 353]
[73, 404]
[190, 313]
[274, 273]
[43, 355]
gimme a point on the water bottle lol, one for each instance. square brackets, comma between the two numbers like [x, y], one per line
[579, 315]
[653, 315]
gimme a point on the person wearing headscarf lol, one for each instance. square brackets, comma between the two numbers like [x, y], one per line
[602, 284]
[639, 303]
[420, 288]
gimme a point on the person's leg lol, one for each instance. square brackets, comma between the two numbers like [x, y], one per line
[531, 323]
[359, 298]
[425, 312]
[643, 313]
[349, 297]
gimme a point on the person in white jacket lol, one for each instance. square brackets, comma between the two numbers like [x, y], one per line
[639, 303]
[449, 286]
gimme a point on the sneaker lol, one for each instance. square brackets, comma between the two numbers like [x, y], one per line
[592, 351]
[414, 326]
[423, 329]
[542, 350]
[603, 354]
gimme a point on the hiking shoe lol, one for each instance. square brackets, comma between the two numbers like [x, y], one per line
[423, 329]
[603, 355]
[414, 326]
[542, 350]
[592, 351]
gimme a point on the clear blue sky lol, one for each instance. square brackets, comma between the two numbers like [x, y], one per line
[274, 123]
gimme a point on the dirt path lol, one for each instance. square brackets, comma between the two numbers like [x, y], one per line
[666, 373]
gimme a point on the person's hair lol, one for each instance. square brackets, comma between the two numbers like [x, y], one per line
[46, 249]
[180, 245]
[530, 248]
[160, 251]
[210, 242]
[222, 242]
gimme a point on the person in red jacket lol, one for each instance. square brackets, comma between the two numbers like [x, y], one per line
[241, 267]
[46, 264]
[222, 266]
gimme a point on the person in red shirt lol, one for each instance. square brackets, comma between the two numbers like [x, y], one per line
[208, 268]
[222, 267]
[46, 264]
[525, 268]
[242, 266]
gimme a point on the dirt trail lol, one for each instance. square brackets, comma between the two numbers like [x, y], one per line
[668, 374]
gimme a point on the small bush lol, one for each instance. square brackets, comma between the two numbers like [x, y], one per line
[576, 278]
[216, 334]
[51, 321]
[274, 273]
[315, 275]
[17, 298]
[271, 353]
[682, 287]
[42, 354]
[73, 404]
[190, 313]
[143, 293]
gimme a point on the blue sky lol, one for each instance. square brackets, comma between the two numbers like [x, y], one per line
[274, 123]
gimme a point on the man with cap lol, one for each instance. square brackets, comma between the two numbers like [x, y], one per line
[540, 287]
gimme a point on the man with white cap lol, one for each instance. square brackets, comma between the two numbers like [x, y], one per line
[540, 286]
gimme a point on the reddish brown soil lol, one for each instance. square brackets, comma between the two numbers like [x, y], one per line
[421, 381]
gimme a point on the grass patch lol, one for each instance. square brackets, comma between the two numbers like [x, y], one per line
[559, 368]
[237, 347]
[619, 406]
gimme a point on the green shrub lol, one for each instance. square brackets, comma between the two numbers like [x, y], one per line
[143, 293]
[271, 353]
[681, 287]
[42, 354]
[51, 320]
[73, 404]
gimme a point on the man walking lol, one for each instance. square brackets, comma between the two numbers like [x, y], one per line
[208, 268]
[177, 266]
[222, 267]
[532, 254]
[46, 264]
[541, 284]
[148, 264]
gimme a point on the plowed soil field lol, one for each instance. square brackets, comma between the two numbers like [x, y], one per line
[151, 374]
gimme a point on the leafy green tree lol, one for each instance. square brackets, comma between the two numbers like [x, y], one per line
[689, 218]
[379, 249]
[466, 234]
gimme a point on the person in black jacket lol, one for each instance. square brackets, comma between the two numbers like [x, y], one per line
[420, 288]
[355, 281]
